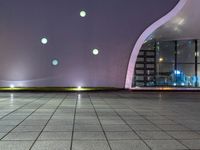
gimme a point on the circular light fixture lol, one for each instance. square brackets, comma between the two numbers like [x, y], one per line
[83, 13]
[95, 51]
[44, 40]
[55, 62]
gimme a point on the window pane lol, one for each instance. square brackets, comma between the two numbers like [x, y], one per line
[186, 52]
[198, 54]
[139, 66]
[148, 46]
[164, 72]
[187, 75]
[165, 68]
[187, 69]
[165, 51]
[198, 74]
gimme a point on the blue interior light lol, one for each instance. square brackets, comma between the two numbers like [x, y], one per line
[177, 72]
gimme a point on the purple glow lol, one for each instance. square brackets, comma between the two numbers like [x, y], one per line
[112, 26]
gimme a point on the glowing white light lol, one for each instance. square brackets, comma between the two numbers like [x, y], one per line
[44, 41]
[79, 87]
[95, 51]
[182, 84]
[196, 54]
[161, 59]
[55, 62]
[12, 86]
[174, 84]
[83, 13]
[177, 72]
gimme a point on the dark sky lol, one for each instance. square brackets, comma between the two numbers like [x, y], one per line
[112, 26]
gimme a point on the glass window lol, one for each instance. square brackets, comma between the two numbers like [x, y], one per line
[148, 46]
[139, 78]
[198, 51]
[150, 53]
[187, 69]
[140, 59]
[186, 75]
[164, 74]
[198, 75]
[164, 70]
[186, 52]
[150, 59]
[139, 66]
[166, 51]
[139, 72]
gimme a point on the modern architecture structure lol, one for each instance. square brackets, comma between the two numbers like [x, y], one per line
[49, 47]
[70, 44]
[170, 55]
[97, 44]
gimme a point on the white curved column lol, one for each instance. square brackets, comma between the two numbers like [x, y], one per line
[144, 36]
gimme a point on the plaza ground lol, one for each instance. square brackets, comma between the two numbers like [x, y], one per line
[118, 120]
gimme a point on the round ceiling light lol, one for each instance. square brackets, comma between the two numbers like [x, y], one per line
[95, 51]
[83, 13]
[44, 40]
[55, 62]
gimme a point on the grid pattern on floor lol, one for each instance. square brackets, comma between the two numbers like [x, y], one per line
[100, 121]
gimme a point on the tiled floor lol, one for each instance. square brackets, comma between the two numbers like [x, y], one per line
[100, 121]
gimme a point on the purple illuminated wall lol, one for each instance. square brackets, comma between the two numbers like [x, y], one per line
[111, 26]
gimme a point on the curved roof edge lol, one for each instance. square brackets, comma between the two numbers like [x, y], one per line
[144, 36]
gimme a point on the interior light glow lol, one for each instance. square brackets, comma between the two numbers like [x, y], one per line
[196, 54]
[182, 84]
[176, 29]
[79, 87]
[83, 13]
[177, 72]
[181, 21]
[161, 59]
[12, 86]
[95, 51]
[44, 40]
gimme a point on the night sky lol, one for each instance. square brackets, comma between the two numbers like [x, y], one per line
[112, 26]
